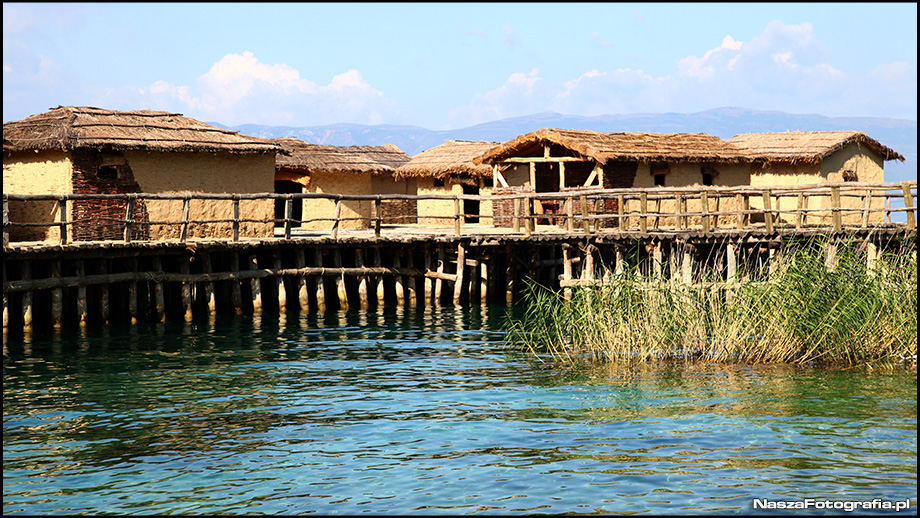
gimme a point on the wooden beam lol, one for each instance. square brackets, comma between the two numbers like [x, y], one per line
[556, 159]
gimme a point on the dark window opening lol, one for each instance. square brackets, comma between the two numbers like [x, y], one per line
[439, 182]
[659, 180]
[471, 207]
[707, 179]
[107, 172]
[487, 182]
[288, 187]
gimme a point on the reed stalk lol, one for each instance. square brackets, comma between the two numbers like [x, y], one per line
[802, 312]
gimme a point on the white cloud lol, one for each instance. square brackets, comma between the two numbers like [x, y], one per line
[240, 89]
[517, 96]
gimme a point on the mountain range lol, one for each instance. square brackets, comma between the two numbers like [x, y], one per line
[898, 134]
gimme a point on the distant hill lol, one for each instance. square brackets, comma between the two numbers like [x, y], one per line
[898, 134]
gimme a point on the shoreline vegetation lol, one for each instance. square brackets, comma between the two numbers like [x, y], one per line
[798, 309]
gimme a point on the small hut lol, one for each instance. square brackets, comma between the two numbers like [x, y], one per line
[448, 169]
[315, 168]
[85, 150]
[557, 160]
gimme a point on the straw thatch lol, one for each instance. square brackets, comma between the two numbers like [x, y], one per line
[316, 158]
[452, 158]
[806, 146]
[68, 127]
[641, 147]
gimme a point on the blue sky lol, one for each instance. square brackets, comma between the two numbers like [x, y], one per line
[453, 65]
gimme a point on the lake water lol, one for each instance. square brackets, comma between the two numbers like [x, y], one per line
[425, 412]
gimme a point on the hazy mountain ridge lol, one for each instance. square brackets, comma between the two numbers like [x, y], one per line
[898, 134]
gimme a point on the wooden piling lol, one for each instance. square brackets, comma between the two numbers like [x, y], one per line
[210, 298]
[378, 281]
[398, 281]
[132, 292]
[363, 301]
[26, 274]
[341, 292]
[509, 275]
[255, 286]
[438, 283]
[103, 295]
[236, 292]
[409, 282]
[159, 301]
[187, 288]
[303, 296]
[279, 281]
[318, 282]
[429, 282]
[461, 266]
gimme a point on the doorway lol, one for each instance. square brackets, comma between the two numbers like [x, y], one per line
[288, 187]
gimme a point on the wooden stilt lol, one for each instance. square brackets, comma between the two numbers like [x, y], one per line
[398, 281]
[871, 258]
[319, 284]
[567, 270]
[363, 301]
[438, 283]
[103, 295]
[588, 271]
[409, 282]
[731, 262]
[657, 260]
[26, 296]
[830, 255]
[461, 265]
[378, 281]
[236, 292]
[210, 299]
[686, 264]
[620, 259]
[187, 289]
[303, 296]
[341, 293]
[485, 278]
[159, 301]
[57, 296]
[255, 286]
[6, 303]
[509, 276]
[429, 282]
[132, 292]
[282, 291]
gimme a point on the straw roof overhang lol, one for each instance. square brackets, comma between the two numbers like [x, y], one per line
[602, 147]
[308, 158]
[68, 127]
[806, 146]
[453, 158]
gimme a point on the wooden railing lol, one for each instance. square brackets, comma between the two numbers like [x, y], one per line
[831, 206]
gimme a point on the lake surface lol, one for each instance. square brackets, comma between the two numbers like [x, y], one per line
[425, 412]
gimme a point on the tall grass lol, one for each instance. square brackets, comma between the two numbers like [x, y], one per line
[804, 312]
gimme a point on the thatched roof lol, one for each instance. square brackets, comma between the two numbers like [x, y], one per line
[806, 146]
[452, 158]
[642, 147]
[68, 127]
[316, 158]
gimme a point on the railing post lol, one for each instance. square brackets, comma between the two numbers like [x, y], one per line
[6, 222]
[183, 231]
[335, 218]
[621, 211]
[678, 206]
[288, 214]
[867, 203]
[528, 221]
[515, 218]
[739, 206]
[62, 210]
[236, 218]
[129, 218]
[800, 211]
[704, 208]
[643, 209]
[457, 215]
[909, 205]
[835, 209]
[570, 214]
[767, 214]
[584, 215]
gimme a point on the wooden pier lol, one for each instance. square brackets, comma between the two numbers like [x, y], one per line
[720, 233]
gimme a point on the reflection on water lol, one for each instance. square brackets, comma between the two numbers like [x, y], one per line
[423, 411]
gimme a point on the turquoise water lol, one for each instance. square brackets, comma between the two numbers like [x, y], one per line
[424, 412]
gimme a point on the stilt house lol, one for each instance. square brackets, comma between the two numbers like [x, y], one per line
[85, 150]
[446, 170]
[316, 168]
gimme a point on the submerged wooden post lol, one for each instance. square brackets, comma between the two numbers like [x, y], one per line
[429, 284]
[363, 301]
[398, 280]
[236, 293]
[57, 295]
[411, 291]
[81, 294]
[132, 291]
[279, 280]
[509, 275]
[210, 299]
[378, 281]
[255, 286]
[159, 301]
[438, 283]
[187, 288]
[461, 264]
[303, 296]
[319, 282]
[341, 292]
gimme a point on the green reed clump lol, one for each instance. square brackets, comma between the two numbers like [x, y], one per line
[803, 312]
